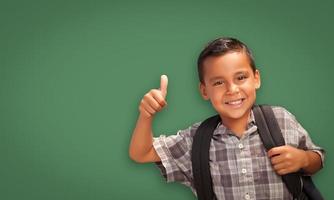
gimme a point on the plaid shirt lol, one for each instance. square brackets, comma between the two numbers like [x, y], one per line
[240, 167]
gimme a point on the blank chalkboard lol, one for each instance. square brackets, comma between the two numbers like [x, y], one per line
[72, 74]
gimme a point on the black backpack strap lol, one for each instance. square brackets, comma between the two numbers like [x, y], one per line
[200, 158]
[274, 129]
[271, 136]
[263, 129]
[310, 189]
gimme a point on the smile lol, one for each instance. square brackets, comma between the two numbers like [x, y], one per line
[235, 102]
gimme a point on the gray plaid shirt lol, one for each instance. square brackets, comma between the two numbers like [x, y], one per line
[240, 167]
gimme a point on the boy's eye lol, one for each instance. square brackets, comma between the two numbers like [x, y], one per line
[241, 77]
[217, 83]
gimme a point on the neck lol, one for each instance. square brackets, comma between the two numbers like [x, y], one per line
[237, 126]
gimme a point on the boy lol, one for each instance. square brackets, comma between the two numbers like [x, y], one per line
[240, 166]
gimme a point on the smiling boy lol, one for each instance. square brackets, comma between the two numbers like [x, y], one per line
[239, 164]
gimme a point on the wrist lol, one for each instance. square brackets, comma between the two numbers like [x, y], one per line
[145, 117]
[306, 162]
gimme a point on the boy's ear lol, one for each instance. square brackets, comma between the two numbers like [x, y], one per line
[257, 79]
[202, 89]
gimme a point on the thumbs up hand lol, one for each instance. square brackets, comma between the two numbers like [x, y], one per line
[155, 100]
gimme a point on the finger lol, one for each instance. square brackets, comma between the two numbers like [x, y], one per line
[279, 166]
[158, 96]
[148, 108]
[282, 172]
[153, 102]
[163, 85]
[276, 151]
[276, 159]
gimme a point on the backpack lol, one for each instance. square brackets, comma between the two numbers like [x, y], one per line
[301, 187]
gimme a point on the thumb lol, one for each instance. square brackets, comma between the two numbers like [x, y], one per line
[163, 85]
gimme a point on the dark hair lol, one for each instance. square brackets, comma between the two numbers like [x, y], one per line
[219, 47]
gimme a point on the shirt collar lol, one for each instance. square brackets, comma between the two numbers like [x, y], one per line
[221, 129]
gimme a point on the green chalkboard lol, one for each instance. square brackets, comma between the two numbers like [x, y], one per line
[72, 74]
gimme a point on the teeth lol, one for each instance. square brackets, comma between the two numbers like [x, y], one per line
[235, 102]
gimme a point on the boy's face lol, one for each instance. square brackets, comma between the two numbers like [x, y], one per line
[230, 84]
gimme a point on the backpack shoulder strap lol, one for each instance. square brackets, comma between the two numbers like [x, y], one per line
[200, 158]
[274, 129]
[271, 136]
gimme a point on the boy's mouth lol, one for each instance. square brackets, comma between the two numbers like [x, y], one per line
[236, 102]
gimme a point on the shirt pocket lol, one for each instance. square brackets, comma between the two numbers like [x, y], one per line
[261, 165]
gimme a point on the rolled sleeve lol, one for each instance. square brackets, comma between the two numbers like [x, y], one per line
[166, 165]
[175, 155]
[306, 143]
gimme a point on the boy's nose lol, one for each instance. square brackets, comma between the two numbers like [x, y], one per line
[232, 88]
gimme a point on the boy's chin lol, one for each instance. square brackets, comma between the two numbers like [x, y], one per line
[235, 114]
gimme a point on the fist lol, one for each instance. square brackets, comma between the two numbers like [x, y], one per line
[155, 100]
[287, 159]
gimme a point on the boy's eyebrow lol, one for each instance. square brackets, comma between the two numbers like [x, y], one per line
[220, 77]
[241, 72]
[215, 78]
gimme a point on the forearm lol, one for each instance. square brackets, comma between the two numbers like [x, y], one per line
[141, 145]
[313, 162]
[141, 141]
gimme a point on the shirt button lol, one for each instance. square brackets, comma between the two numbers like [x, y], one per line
[247, 196]
[241, 146]
[244, 171]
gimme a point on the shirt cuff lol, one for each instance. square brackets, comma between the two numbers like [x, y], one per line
[164, 165]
